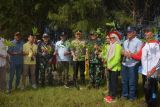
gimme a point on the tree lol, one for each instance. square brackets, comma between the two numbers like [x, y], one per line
[78, 15]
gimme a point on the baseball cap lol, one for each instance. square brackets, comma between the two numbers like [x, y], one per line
[45, 35]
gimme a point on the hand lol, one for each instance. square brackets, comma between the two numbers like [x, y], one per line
[55, 53]
[15, 53]
[43, 54]
[149, 74]
[99, 56]
[127, 54]
[2, 56]
[66, 53]
[25, 53]
[124, 53]
[96, 52]
[50, 61]
[109, 69]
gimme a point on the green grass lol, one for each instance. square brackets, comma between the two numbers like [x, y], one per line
[62, 97]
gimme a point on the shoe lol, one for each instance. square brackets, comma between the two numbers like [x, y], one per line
[109, 99]
[34, 86]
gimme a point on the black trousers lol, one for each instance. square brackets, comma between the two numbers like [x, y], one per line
[113, 83]
[150, 91]
[78, 65]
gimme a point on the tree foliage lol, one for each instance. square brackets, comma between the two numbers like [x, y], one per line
[85, 15]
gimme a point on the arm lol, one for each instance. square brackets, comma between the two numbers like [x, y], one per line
[24, 51]
[35, 50]
[138, 55]
[10, 51]
[39, 50]
[154, 69]
[3, 55]
[157, 66]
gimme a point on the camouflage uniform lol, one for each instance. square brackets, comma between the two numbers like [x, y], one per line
[45, 59]
[95, 66]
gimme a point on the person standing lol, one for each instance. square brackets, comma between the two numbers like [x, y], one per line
[16, 60]
[149, 54]
[45, 53]
[3, 62]
[113, 65]
[78, 54]
[29, 63]
[95, 62]
[63, 53]
[130, 66]
[37, 42]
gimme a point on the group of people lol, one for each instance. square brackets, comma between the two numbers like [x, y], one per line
[92, 57]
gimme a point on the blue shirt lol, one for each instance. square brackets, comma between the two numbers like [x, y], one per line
[133, 46]
[16, 59]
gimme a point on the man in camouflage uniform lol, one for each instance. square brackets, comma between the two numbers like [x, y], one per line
[45, 54]
[95, 63]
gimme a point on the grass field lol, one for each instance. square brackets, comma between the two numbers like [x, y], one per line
[58, 96]
[61, 97]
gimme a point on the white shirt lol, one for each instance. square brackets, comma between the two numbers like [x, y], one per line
[61, 49]
[3, 51]
[150, 57]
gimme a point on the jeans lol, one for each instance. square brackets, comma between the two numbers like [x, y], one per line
[14, 68]
[129, 81]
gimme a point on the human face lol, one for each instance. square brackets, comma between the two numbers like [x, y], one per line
[131, 35]
[107, 39]
[35, 39]
[17, 37]
[78, 36]
[148, 35]
[112, 39]
[63, 38]
[46, 39]
[31, 39]
[93, 36]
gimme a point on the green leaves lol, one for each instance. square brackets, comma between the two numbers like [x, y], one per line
[78, 15]
[35, 30]
[8, 43]
[100, 32]
[111, 24]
